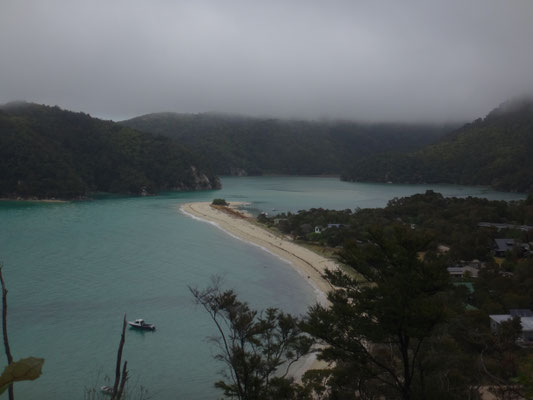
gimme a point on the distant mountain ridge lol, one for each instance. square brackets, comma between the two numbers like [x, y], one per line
[496, 151]
[47, 152]
[236, 145]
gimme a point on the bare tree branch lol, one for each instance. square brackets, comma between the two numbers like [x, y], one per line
[116, 392]
[4, 329]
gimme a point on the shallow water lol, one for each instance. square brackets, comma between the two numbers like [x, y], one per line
[74, 269]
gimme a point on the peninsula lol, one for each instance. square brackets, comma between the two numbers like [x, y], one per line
[308, 263]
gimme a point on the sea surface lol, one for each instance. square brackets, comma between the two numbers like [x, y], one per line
[74, 269]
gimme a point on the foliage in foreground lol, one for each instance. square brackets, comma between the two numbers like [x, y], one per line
[257, 349]
[383, 334]
[26, 369]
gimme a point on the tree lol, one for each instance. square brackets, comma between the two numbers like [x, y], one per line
[379, 332]
[120, 376]
[219, 202]
[258, 349]
[119, 390]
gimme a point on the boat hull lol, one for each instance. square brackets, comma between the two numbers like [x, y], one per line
[145, 327]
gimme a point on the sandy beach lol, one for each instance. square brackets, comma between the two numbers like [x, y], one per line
[309, 264]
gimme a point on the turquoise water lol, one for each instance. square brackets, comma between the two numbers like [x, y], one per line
[74, 269]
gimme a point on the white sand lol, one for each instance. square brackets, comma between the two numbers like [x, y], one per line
[308, 263]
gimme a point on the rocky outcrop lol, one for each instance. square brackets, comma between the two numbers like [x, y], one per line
[198, 180]
[202, 182]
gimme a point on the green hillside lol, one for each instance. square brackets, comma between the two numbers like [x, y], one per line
[233, 145]
[46, 152]
[495, 151]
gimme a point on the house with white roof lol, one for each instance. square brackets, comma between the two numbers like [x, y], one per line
[526, 320]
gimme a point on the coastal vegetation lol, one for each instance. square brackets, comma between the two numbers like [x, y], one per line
[25, 369]
[452, 222]
[494, 151]
[384, 334]
[233, 145]
[46, 152]
[219, 202]
[257, 349]
[405, 328]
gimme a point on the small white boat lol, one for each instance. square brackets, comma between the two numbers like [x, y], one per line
[140, 324]
[106, 389]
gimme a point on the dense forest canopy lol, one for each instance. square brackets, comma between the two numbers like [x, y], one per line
[495, 151]
[46, 152]
[234, 145]
[449, 221]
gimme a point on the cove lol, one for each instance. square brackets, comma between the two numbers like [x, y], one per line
[73, 270]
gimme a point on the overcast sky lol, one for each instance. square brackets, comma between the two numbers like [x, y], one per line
[362, 60]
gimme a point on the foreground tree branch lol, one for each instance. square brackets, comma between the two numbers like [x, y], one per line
[4, 329]
[120, 378]
[254, 346]
[378, 330]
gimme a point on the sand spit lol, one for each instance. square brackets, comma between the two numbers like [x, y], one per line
[309, 264]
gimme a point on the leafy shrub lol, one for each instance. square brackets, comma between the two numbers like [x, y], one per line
[220, 202]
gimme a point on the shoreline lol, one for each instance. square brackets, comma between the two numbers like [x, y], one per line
[307, 263]
[30, 200]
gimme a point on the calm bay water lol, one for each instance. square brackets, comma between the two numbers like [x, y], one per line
[74, 269]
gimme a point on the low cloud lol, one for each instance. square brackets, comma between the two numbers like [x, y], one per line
[374, 61]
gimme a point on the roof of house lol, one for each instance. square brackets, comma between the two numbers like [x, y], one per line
[452, 270]
[504, 226]
[462, 270]
[504, 244]
[499, 318]
[526, 322]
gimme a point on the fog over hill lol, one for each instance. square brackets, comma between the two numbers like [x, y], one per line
[233, 145]
[385, 61]
[495, 150]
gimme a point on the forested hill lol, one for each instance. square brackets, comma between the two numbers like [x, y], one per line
[496, 150]
[46, 152]
[234, 145]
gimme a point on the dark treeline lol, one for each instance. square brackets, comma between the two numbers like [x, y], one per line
[495, 151]
[46, 152]
[447, 221]
[233, 145]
